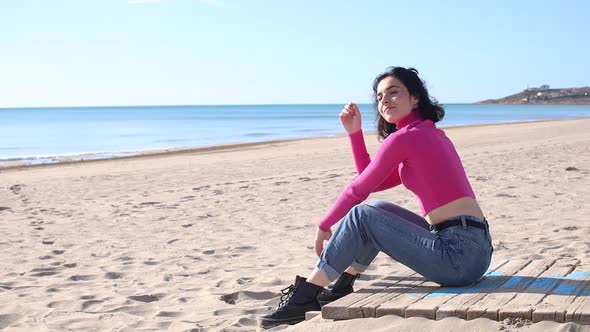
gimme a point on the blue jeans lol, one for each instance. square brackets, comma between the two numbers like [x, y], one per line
[455, 256]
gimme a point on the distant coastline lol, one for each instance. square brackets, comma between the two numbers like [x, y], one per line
[544, 95]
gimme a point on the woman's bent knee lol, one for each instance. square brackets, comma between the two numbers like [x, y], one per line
[358, 215]
[379, 203]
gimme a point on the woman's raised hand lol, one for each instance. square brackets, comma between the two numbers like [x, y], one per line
[350, 116]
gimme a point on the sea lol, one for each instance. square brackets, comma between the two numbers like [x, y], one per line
[51, 135]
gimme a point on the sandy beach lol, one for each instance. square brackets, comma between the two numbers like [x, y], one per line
[205, 239]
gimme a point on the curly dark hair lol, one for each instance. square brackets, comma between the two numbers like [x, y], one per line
[428, 106]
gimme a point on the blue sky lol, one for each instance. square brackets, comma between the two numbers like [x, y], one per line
[171, 52]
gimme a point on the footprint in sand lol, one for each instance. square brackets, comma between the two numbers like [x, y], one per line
[506, 195]
[229, 298]
[63, 305]
[82, 277]
[6, 285]
[101, 255]
[500, 246]
[8, 319]
[113, 275]
[145, 298]
[244, 280]
[88, 304]
[201, 188]
[235, 312]
[170, 314]
[205, 271]
[44, 271]
[236, 297]
[16, 188]
[151, 262]
[271, 282]
[243, 248]
[149, 203]
[249, 322]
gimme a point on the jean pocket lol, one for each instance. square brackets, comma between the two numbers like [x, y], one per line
[472, 239]
[470, 245]
[469, 253]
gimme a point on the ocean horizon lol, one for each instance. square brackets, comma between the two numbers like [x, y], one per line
[52, 134]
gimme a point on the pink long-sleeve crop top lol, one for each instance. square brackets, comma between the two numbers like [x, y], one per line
[419, 155]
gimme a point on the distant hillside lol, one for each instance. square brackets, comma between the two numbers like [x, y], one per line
[545, 95]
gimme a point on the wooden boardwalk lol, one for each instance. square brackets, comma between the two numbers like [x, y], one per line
[556, 290]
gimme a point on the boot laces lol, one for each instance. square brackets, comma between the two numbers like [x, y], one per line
[287, 295]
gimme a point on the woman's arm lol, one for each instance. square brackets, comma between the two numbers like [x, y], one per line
[359, 151]
[362, 160]
[390, 154]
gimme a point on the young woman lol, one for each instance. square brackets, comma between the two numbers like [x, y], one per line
[450, 245]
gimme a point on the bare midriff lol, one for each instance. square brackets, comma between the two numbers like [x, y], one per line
[461, 206]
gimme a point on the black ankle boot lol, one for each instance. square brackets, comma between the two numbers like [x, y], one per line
[337, 289]
[295, 302]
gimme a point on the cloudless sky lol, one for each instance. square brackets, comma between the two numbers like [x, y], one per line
[178, 52]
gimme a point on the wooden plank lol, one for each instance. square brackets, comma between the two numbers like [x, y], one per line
[427, 306]
[415, 288]
[554, 305]
[489, 306]
[312, 314]
[339, 308]
[397, 305]
[579, 310]
[367, 306]
[458, 305]
[522, 305]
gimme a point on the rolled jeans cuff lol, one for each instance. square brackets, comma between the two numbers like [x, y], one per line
[359, 267]
[328, 270]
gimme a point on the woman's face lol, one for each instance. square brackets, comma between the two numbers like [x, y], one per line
[394, 102]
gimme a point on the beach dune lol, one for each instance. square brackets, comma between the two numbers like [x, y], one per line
[205, 239]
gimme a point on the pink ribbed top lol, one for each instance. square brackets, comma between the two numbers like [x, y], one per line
[419, 155]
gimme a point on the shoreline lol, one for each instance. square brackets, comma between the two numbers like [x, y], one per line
[20, 163]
